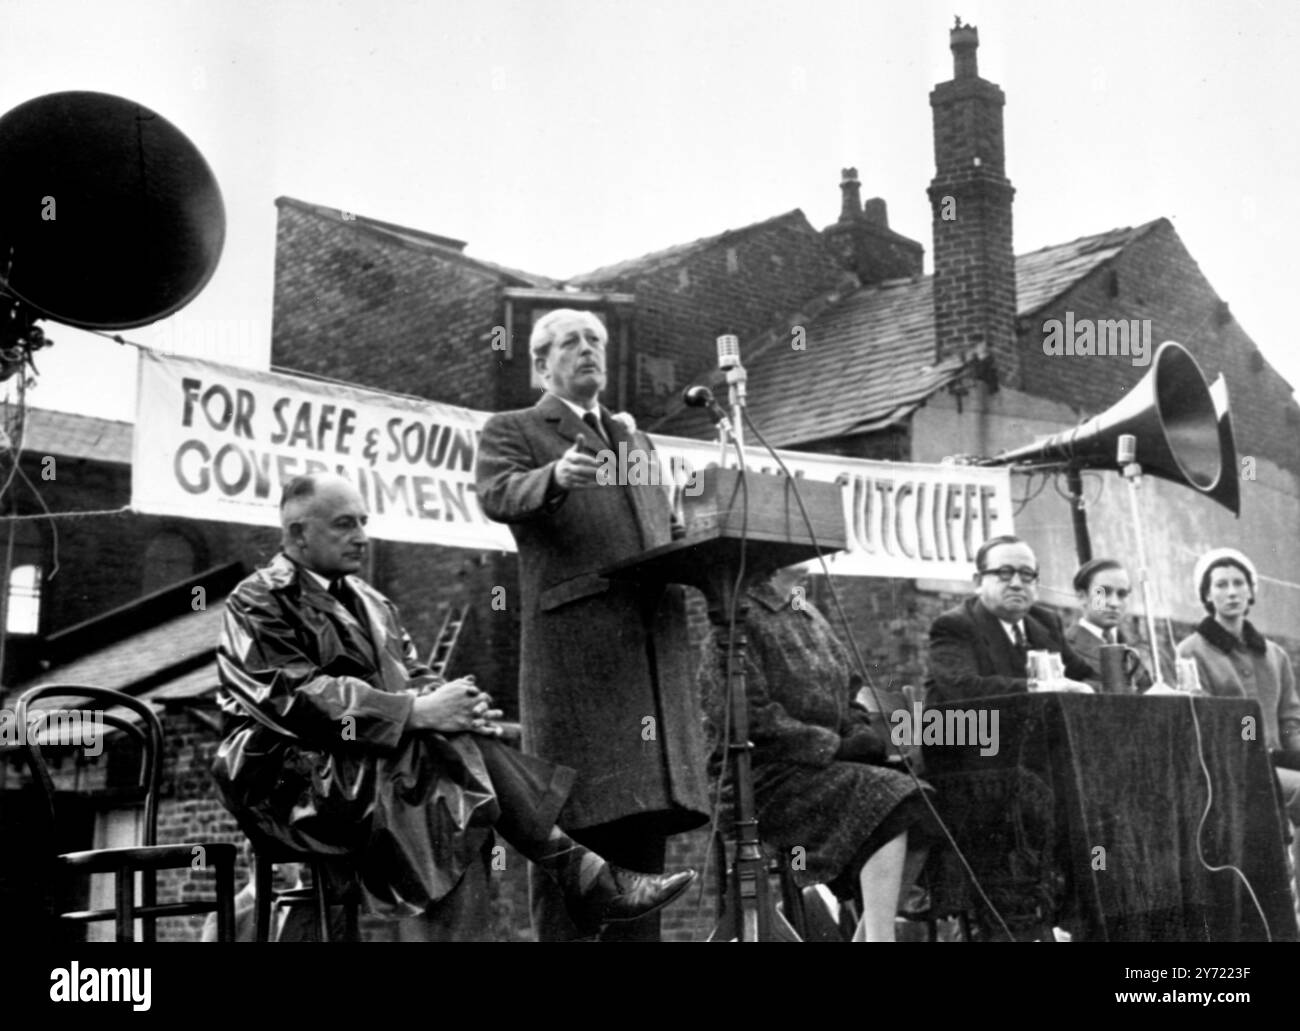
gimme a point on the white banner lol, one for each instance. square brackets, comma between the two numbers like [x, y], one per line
[218, 442]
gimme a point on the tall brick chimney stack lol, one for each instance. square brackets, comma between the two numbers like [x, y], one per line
[970, 204]
[863, 240]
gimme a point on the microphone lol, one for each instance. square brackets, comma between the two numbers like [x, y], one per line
[728, 351]
[702, 397]
[1126, 448]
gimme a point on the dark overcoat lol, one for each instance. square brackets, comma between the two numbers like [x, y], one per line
[606, 678]
[414, 810]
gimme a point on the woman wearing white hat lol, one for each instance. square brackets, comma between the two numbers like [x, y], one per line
[1233, 659]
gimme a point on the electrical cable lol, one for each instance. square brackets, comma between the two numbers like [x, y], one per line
[1205, 815]
[730, 683]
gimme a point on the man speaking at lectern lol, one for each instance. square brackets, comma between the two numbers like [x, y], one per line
[606, 678]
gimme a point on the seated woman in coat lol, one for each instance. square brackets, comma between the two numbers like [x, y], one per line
[1233, 659]
[1103, 589]
[817, 785]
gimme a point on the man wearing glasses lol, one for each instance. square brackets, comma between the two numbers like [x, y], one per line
[981, 647]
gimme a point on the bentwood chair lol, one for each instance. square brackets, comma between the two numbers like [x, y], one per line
[104, 706]
[266, 855]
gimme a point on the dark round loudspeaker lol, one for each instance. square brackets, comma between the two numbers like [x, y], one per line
[109, 216]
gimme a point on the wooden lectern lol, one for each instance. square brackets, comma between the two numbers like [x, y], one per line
[769, 532]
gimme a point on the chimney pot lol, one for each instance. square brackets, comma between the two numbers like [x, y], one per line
[964, 40]
[863, 241]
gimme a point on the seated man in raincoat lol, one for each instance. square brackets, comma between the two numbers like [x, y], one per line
[342, 744]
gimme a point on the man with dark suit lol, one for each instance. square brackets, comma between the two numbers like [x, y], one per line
[341, 743]
[606, 680]
[1103, 589]
[981, 647]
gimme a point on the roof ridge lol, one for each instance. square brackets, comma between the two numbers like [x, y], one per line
[344, 215]
[1132, 233]
[418, 240]
[43, 410]
[686, 248]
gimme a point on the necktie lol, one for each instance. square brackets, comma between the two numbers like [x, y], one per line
[1021, 645]
[593, 420]
[343, 594]
[1112, 636]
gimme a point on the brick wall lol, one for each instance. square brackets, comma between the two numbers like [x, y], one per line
[188, 810]
[356, 305]
[743, 283]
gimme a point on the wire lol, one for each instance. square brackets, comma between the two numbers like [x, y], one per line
[117, 338]
[16, 438]
[15, 458]
[1154, 600]
[730, 687]
[1205, 815]
[54, 530]
[1030, 497]
[862, 672]
[1084, 500]
[74, 514]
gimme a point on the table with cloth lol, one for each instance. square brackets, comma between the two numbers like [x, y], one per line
[1087, 817]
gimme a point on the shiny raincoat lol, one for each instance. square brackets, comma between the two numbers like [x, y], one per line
[413, 811]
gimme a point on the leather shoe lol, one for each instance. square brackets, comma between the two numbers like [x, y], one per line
[620, 894]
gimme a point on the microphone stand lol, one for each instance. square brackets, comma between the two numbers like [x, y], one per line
[752, 915]
[737, 379]
[1132, 472]
[748, 909]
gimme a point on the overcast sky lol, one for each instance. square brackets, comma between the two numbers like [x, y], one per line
[559, 136]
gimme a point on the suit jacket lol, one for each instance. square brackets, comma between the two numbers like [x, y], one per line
[343, 778]
[606, 681]
[972, 657]
[1087, 646]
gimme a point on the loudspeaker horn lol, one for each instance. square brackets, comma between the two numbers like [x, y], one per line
[1173, 416]
[109, 216]
[1228, 491]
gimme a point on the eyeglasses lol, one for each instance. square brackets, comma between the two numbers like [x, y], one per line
[1007, 573]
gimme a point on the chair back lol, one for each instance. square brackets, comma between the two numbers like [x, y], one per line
[148, 732]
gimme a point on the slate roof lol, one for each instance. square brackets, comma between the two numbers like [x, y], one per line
[1043, 275]
[140, 648]
[126, 662]
[868, 362]
[77, 436]
[869, 358]
[139, 666]
[625, 270]
[443, 247]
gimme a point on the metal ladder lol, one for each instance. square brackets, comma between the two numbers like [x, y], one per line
[452, 624]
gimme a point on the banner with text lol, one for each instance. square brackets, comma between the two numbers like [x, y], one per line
[218, 442]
